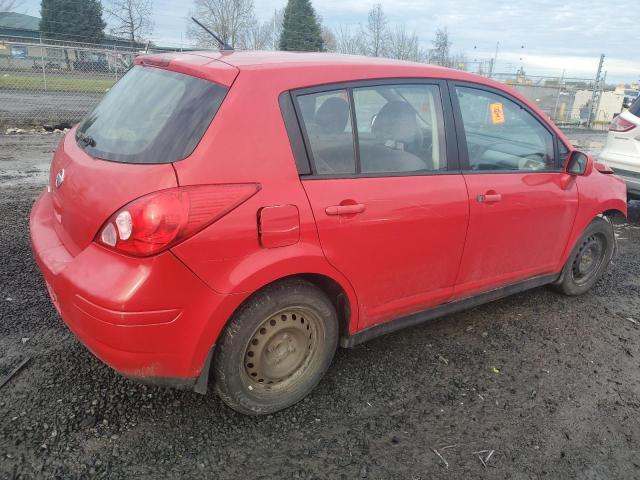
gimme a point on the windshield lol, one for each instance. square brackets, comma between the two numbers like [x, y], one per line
[150, 116]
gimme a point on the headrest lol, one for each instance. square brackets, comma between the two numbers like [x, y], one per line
[333, 115]
[396, 121]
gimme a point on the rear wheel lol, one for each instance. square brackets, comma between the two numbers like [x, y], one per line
[589, 258]
[276, 348]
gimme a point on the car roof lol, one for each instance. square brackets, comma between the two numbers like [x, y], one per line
[260, 59]
[303, 61]
[293, 70]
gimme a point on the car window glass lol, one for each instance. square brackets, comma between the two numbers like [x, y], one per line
[563, 152]
[327, 121]
[635, 107]
[150, 116]
[501, 135]
[400, 128]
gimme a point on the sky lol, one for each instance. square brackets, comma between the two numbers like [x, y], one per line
[545, 37]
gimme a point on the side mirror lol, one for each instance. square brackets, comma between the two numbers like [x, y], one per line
[579, 164]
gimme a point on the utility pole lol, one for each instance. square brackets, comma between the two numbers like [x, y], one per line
[555, 108]
[603, 82]
[595, 95]
[494, 61]
[44, 74]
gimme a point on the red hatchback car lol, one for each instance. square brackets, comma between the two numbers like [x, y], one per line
[238, 215]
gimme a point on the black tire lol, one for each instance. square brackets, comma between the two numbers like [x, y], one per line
[276, 348]
[589, 258]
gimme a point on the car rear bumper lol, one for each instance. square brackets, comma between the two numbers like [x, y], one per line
[147, 318]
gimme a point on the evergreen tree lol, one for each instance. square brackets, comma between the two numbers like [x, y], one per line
[72, 20]
[301, 29]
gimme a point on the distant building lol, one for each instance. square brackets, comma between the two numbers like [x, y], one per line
[27, 27]
[21, 49]
[610, 105]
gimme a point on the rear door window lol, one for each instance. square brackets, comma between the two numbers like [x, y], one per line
[150, 116]
[400, 128]
[635, 107]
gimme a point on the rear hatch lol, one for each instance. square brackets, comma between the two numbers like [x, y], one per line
[125, 147]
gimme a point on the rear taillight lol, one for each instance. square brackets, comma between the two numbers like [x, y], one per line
[619, 124]
[162, 219]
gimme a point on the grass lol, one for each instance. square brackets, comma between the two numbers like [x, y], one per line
[54, 83]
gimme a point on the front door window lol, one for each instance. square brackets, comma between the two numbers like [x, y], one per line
[501, 135]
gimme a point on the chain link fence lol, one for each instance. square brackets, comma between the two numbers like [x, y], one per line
[568, 101]
[54, 84]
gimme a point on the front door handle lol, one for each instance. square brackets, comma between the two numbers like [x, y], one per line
[345, 209]
[489, 198]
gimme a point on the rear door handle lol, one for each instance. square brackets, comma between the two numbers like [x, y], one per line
[489, 198]
[345, 209]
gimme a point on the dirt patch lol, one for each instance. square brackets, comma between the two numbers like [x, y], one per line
[550, 384]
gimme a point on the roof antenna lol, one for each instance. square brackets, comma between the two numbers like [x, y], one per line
[223, 46]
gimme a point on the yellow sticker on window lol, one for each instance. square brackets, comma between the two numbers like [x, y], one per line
[497, 113]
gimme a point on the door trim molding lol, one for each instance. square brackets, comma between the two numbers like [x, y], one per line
[348, 341]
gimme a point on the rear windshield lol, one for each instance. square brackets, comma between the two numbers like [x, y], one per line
[150, 116]
[635, 107]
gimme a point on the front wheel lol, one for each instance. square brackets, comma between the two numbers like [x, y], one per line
[589, 258]
[276, 348]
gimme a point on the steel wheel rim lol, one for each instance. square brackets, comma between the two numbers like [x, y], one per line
[284, 347]
[589, 258]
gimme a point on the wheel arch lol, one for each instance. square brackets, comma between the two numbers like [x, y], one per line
[614, 213]
[613, 208]
[338, 289]
[341, 295]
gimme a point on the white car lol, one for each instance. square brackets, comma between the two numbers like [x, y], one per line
[622, 150]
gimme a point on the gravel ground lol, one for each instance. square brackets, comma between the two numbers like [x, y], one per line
[550, 384]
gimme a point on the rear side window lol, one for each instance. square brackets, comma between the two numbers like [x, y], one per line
[501, 135]
[635, 107]
[150, 116]
[400, 128]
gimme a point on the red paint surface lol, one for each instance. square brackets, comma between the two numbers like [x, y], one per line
[403, 244]
[279, 226]
[520, 235]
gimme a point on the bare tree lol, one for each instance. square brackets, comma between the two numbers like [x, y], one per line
[405, 45]
[130, 19]
[229, 19]
[10, 5]
[348, 42]
[329, 39]
[439, 54]
[458, 60]
[257, 36]
[262, 35]
[375, 33]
